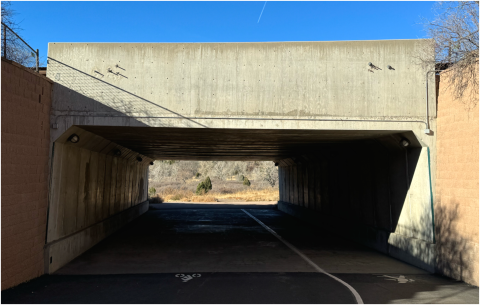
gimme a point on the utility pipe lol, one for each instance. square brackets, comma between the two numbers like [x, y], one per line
[427, 131]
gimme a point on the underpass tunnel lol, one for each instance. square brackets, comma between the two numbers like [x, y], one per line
[370, 187]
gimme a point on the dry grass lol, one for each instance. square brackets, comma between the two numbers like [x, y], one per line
[173, 194]
[268, 194]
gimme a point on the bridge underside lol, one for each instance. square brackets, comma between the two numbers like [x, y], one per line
[235, 144]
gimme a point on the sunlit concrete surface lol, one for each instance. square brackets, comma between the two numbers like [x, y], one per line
[216, 253]
[298, 104]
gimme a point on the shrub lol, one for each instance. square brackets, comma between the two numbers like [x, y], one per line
[204, 186]
[246, 181]
[197, 175]
[240, 177]
[152, 191]
[208, 183]
[201, 189]
[156, 199]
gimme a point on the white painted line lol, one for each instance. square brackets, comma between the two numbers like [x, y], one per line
[315, 266]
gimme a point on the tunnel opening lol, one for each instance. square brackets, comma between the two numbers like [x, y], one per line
[370, 187]
[213, 181]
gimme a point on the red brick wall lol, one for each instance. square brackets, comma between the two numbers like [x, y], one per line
[26, 103]
[456, 206]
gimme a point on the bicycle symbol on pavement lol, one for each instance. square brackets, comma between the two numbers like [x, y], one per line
[185, 277]
[401, 279]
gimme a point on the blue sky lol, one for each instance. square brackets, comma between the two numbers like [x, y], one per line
[44, 22]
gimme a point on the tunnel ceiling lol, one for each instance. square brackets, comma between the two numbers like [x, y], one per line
[228, 144]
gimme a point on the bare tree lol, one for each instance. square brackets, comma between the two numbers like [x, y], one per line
[173, 170]
[15, 49]
[6, 13]
[267, 172]
[454, 43]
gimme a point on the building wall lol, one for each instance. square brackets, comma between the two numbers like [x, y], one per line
[90, 184]
[456, 206]
[26, 102]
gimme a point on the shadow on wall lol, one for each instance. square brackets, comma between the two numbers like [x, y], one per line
[374, 192]
[77, 93]
[456, 257]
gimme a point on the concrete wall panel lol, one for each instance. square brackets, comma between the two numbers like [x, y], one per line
[101, 206]
[82, 185]
[355, 182]
[89, 185]
[60, 252]
[72, 176]
[113, 186]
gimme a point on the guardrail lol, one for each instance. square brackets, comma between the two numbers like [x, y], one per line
[16, 49]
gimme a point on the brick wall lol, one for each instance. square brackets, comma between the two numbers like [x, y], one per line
[456, 206]
[26, 102]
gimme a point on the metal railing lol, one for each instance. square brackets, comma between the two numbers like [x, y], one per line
[16, 49]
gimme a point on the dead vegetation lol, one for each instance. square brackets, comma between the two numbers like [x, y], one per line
[171, 181]
[172, 195]
[454, 47]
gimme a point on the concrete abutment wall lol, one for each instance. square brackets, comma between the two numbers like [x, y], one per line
[374, 192]
[93, 193]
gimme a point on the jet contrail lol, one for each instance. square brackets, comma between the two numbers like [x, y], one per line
[262, 12]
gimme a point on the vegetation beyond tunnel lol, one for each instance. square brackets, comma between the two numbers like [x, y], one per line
[230, 181]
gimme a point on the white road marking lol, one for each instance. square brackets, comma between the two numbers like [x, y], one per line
[315, 266]
[401, 279]
[185, 277]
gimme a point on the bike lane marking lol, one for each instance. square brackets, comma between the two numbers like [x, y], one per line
[315, 266]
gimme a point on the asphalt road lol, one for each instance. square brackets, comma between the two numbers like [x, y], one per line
[184, 253]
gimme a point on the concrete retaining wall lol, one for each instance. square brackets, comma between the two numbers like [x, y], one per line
[26, 102]
[373, 192]
[89, 184]
[58, 253]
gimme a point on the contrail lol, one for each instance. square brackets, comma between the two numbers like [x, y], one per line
[262, 12]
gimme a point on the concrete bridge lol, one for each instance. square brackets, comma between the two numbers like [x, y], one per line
[347, 123]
